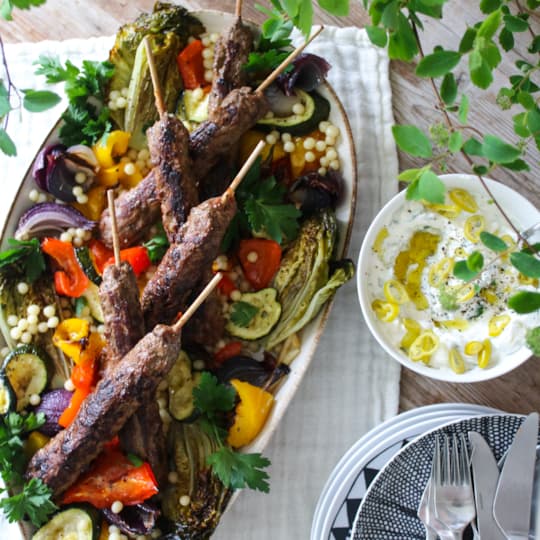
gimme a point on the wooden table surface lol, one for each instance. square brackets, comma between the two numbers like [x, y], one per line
[414, 103]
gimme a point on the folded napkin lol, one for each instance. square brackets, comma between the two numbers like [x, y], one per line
[351, 385]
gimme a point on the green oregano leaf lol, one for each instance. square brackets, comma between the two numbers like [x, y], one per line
[377, 35]
[412, 140]
[526, 263]
[526, 100]
[449, 89]
[515, 24]
[517, 165]
[463, 272]
[467, 41]
[479, 70]
[533, 121]
[428, 187]
[463, 110]
[524, 302]
[455, 142]
[490, 25]
[506, 39]
[473, 147]
[40, 100]
[438, 63]
[498, 151]
[7, 146]
[409, 175]
[488, 6]
[475, 262]
[339, 8]
[493, 242]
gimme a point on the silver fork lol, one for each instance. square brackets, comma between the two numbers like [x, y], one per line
[454, 499]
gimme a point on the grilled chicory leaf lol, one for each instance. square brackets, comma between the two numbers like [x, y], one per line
[305, 281]
[170, 26]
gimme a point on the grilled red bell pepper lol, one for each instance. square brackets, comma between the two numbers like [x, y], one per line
[113, 477]
[190, 64]
[226, 286]
[71, 280]
[231, 349]
[136, 256]
[100, 254]
[70, 412]
[260, 272]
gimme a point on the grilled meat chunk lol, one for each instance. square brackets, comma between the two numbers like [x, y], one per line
[168, 141]
[230, 54]
[135, 210]
[122, 314]
[216, 138]
[105, 411]
[179, 272]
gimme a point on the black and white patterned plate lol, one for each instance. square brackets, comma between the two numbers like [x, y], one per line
[388, 509]
[345, 488]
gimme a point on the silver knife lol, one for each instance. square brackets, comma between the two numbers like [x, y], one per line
[486, 476]
[513, 497]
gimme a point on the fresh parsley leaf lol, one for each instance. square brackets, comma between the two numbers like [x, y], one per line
[54, 72]
[157, 245]
[33, 502]
[242, 313]
[211, 397]
[267, 61]
[26, 254]
[237, 470]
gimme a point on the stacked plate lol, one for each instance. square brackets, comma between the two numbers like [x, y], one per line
[348, 483]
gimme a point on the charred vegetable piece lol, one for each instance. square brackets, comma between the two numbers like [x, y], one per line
[313, 192]
[27, 369]
[85, 260]
[181, 388]
[250, 414]
[308, 71]
[245, 368]
[305, 280]
[8, 398]
[136, 519]
[75, 523]
[52, 405]
[190, 446]
[316, 109]
[254, 315]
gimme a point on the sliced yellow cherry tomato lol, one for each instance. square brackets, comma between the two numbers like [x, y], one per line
[473, 347]
[473, 227]
[450, 211]
[497, 324]
[385, 311]
[454, 324]
[463, 199]
[456, 361]
[377, 247]
[395, 292]
[423, 346]
[484, 355]
[438, 272]
[413, 331]
[465, 293]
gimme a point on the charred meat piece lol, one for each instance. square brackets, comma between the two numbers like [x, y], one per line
[230, 54]
[179, 272]
[176, 187]
[105, 411]
[216, 138]
[122, 314]
[136, 210]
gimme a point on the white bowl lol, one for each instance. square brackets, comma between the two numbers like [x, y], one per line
[522, 213]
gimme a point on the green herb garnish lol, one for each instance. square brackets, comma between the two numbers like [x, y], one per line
[242, 313]
[26, 255]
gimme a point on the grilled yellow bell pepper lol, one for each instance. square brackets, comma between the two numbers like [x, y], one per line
[71, 337]
[111, 145]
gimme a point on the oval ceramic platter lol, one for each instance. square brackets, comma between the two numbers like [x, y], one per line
[215, 22]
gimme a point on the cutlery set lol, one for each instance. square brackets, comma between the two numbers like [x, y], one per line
[499, 499]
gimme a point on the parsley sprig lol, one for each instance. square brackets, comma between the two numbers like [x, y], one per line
[262, 209]
[242, 313]
[86, 120]
[26, 256]
[235, 470]
[33, 499]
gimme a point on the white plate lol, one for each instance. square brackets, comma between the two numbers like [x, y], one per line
[348, 482]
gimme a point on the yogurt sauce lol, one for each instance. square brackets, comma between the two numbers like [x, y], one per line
[497, 282]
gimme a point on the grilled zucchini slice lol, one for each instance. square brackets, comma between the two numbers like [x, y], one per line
[91, 294]
[181, 386]
[8, 398]
[85, 261]
[76, 523]
[267, 315]
[27, 370]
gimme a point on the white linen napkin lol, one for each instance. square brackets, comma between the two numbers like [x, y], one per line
[352, 385]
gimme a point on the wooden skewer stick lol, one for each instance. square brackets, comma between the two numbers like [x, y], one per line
[238, 9]
[114, 227]
[158, 95]
[244, 170]
[198, 301]
[270, 79]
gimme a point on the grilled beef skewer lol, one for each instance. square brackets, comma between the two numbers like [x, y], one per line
[168, 141]
[230, 54]
[136, 210]
[106, 410]
[179, 272]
